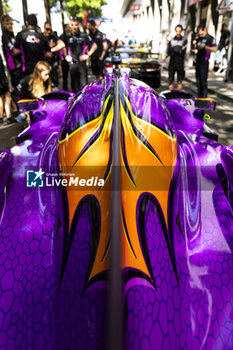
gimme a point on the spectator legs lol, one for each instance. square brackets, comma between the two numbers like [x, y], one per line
[78, 73]
[1, 107]
[65, 71]
[8, 105]
[201, 78]
[54, 76]
[83, 74]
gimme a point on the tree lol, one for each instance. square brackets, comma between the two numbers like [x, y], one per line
[4, 7]
[25, 10]
[93, 7]
[1, 9]
[47, 10]
[76, 7]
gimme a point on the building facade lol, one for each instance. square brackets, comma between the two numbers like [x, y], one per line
[153, 21]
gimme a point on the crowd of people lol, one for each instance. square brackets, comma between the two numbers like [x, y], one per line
[35, 58]
[203, 45]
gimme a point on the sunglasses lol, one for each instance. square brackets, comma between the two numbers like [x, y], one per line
[48, 29]
[73, 18]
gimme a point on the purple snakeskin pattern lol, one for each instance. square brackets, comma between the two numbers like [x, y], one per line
[28, 279]
[81, 316]
[34, 312]
[195, 312]
[189, 307]
[148, 321]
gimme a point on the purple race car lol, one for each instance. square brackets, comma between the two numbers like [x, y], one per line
[116, 175]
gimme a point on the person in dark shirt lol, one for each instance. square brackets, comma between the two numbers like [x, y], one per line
[8, 42]
[97, 59]
[5, 97]
[176, 50]
[35, 85]
[55, 59]
[32, 45]
[78, 44]
[118, 43]
[205, 44]
[64, 63]
[221, 54]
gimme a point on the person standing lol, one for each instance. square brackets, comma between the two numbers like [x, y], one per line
[205, 44]
[8, 43]
[5, 96]
[97, 59]
[55, 59]
[221, 54]
[176, 51]
[65, 65]
[77, 43]
[32, 45]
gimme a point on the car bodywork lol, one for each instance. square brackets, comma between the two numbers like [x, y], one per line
[143, 64]
[175, 223]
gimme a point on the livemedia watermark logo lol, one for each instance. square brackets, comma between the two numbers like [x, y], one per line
[39, 178]
[133, 178]
[35, 178]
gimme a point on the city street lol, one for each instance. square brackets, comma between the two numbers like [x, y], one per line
[8, 132]
[116, 186]
[221, 120]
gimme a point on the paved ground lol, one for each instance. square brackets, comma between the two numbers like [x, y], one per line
[221, 120]
[8, 134]
[216, 85]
